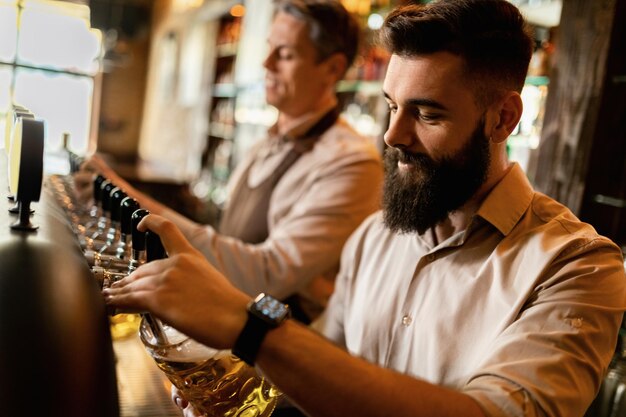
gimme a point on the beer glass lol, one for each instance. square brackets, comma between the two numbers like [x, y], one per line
[215, 382]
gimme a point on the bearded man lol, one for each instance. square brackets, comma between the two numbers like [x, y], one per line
[469, 294]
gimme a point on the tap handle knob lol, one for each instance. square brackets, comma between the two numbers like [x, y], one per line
[117, 195]
[128, 206]
[107, 187]
[154, 247]
[138, 237]
[97, 184]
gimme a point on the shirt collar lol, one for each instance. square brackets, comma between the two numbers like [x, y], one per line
[303, 123]
[508, 200]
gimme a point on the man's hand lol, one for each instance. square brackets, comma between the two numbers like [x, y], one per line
[83, 185]
[184, 290]
[183, 404]
[84, 177]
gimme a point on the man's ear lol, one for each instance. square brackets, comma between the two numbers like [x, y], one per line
[507, 114]
[336, 65]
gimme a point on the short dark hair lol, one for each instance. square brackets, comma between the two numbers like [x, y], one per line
[332, 29]
[491, 36]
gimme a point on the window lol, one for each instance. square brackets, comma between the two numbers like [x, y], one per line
[49, 56]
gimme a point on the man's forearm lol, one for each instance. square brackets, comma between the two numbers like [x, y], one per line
[326, 381]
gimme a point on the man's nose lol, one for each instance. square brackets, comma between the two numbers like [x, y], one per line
[400, 133]
[269, 61]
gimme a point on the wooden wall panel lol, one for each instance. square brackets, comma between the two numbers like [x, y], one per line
[575, 92]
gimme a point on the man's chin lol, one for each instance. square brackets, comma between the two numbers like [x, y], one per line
[273, 99]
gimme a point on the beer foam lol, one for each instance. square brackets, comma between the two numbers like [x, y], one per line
[182, 348]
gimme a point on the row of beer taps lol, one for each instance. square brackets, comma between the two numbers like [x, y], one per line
[108, 235]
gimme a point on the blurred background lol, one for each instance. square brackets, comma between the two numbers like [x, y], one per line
[171, 92]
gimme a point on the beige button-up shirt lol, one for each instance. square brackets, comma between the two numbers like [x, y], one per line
[520, 311]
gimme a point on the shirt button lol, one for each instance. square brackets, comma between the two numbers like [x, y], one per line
[406, 320]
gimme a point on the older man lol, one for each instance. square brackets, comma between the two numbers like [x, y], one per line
[301, 192]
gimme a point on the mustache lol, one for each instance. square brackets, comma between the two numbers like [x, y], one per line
[396, 155]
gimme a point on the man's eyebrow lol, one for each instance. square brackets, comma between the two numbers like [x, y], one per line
[426, 102]
[420, 102]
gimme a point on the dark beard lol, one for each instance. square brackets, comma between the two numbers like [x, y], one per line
[418, 200]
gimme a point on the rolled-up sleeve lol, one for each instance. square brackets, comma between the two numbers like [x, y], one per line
[550, 361]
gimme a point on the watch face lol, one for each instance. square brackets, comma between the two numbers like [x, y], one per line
[271, 308]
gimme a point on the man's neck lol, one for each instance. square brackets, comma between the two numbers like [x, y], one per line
[460, 219]
[288, 121]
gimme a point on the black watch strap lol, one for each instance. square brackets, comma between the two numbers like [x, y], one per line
[249, 341]
[264, 313]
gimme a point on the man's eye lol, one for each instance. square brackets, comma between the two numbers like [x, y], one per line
[284, 54]
[427, 117]
[392, 109]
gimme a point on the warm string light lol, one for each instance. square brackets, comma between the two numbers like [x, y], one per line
[238, 10]
[364, 7]
[360, 7]
[372, 10]
[182, 5]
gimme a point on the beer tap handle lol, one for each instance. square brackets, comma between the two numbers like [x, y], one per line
[117, 195]
[138, 238]
[154, 247]
[96, 209]
[99, 192]
[113, 235]
[154, 251]
[105, 195]
[97, 184]
[128, 207]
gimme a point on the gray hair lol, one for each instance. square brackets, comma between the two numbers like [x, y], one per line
[332, 29]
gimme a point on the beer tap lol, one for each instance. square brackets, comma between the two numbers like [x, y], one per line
[128, 206]
[82, 220]
[106, 276]
[118, 261]
[113, 235]
[81, 216]
[101, 228]
[138, 238]
[96, 209]
[99, 217]
[154, 251]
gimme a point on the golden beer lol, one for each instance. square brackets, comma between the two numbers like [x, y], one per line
[215, 382]
[124, 325]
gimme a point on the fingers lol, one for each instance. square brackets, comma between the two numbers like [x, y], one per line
[178, 399]
[97, 163]
[125, 301]
[87, 166]
[172, 238]
[83, 178]
[136, 291]
[145, 278]
[83, 185]
[183, 404]
[191, 412]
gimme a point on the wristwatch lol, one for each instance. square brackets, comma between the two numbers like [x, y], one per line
[264, 313]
